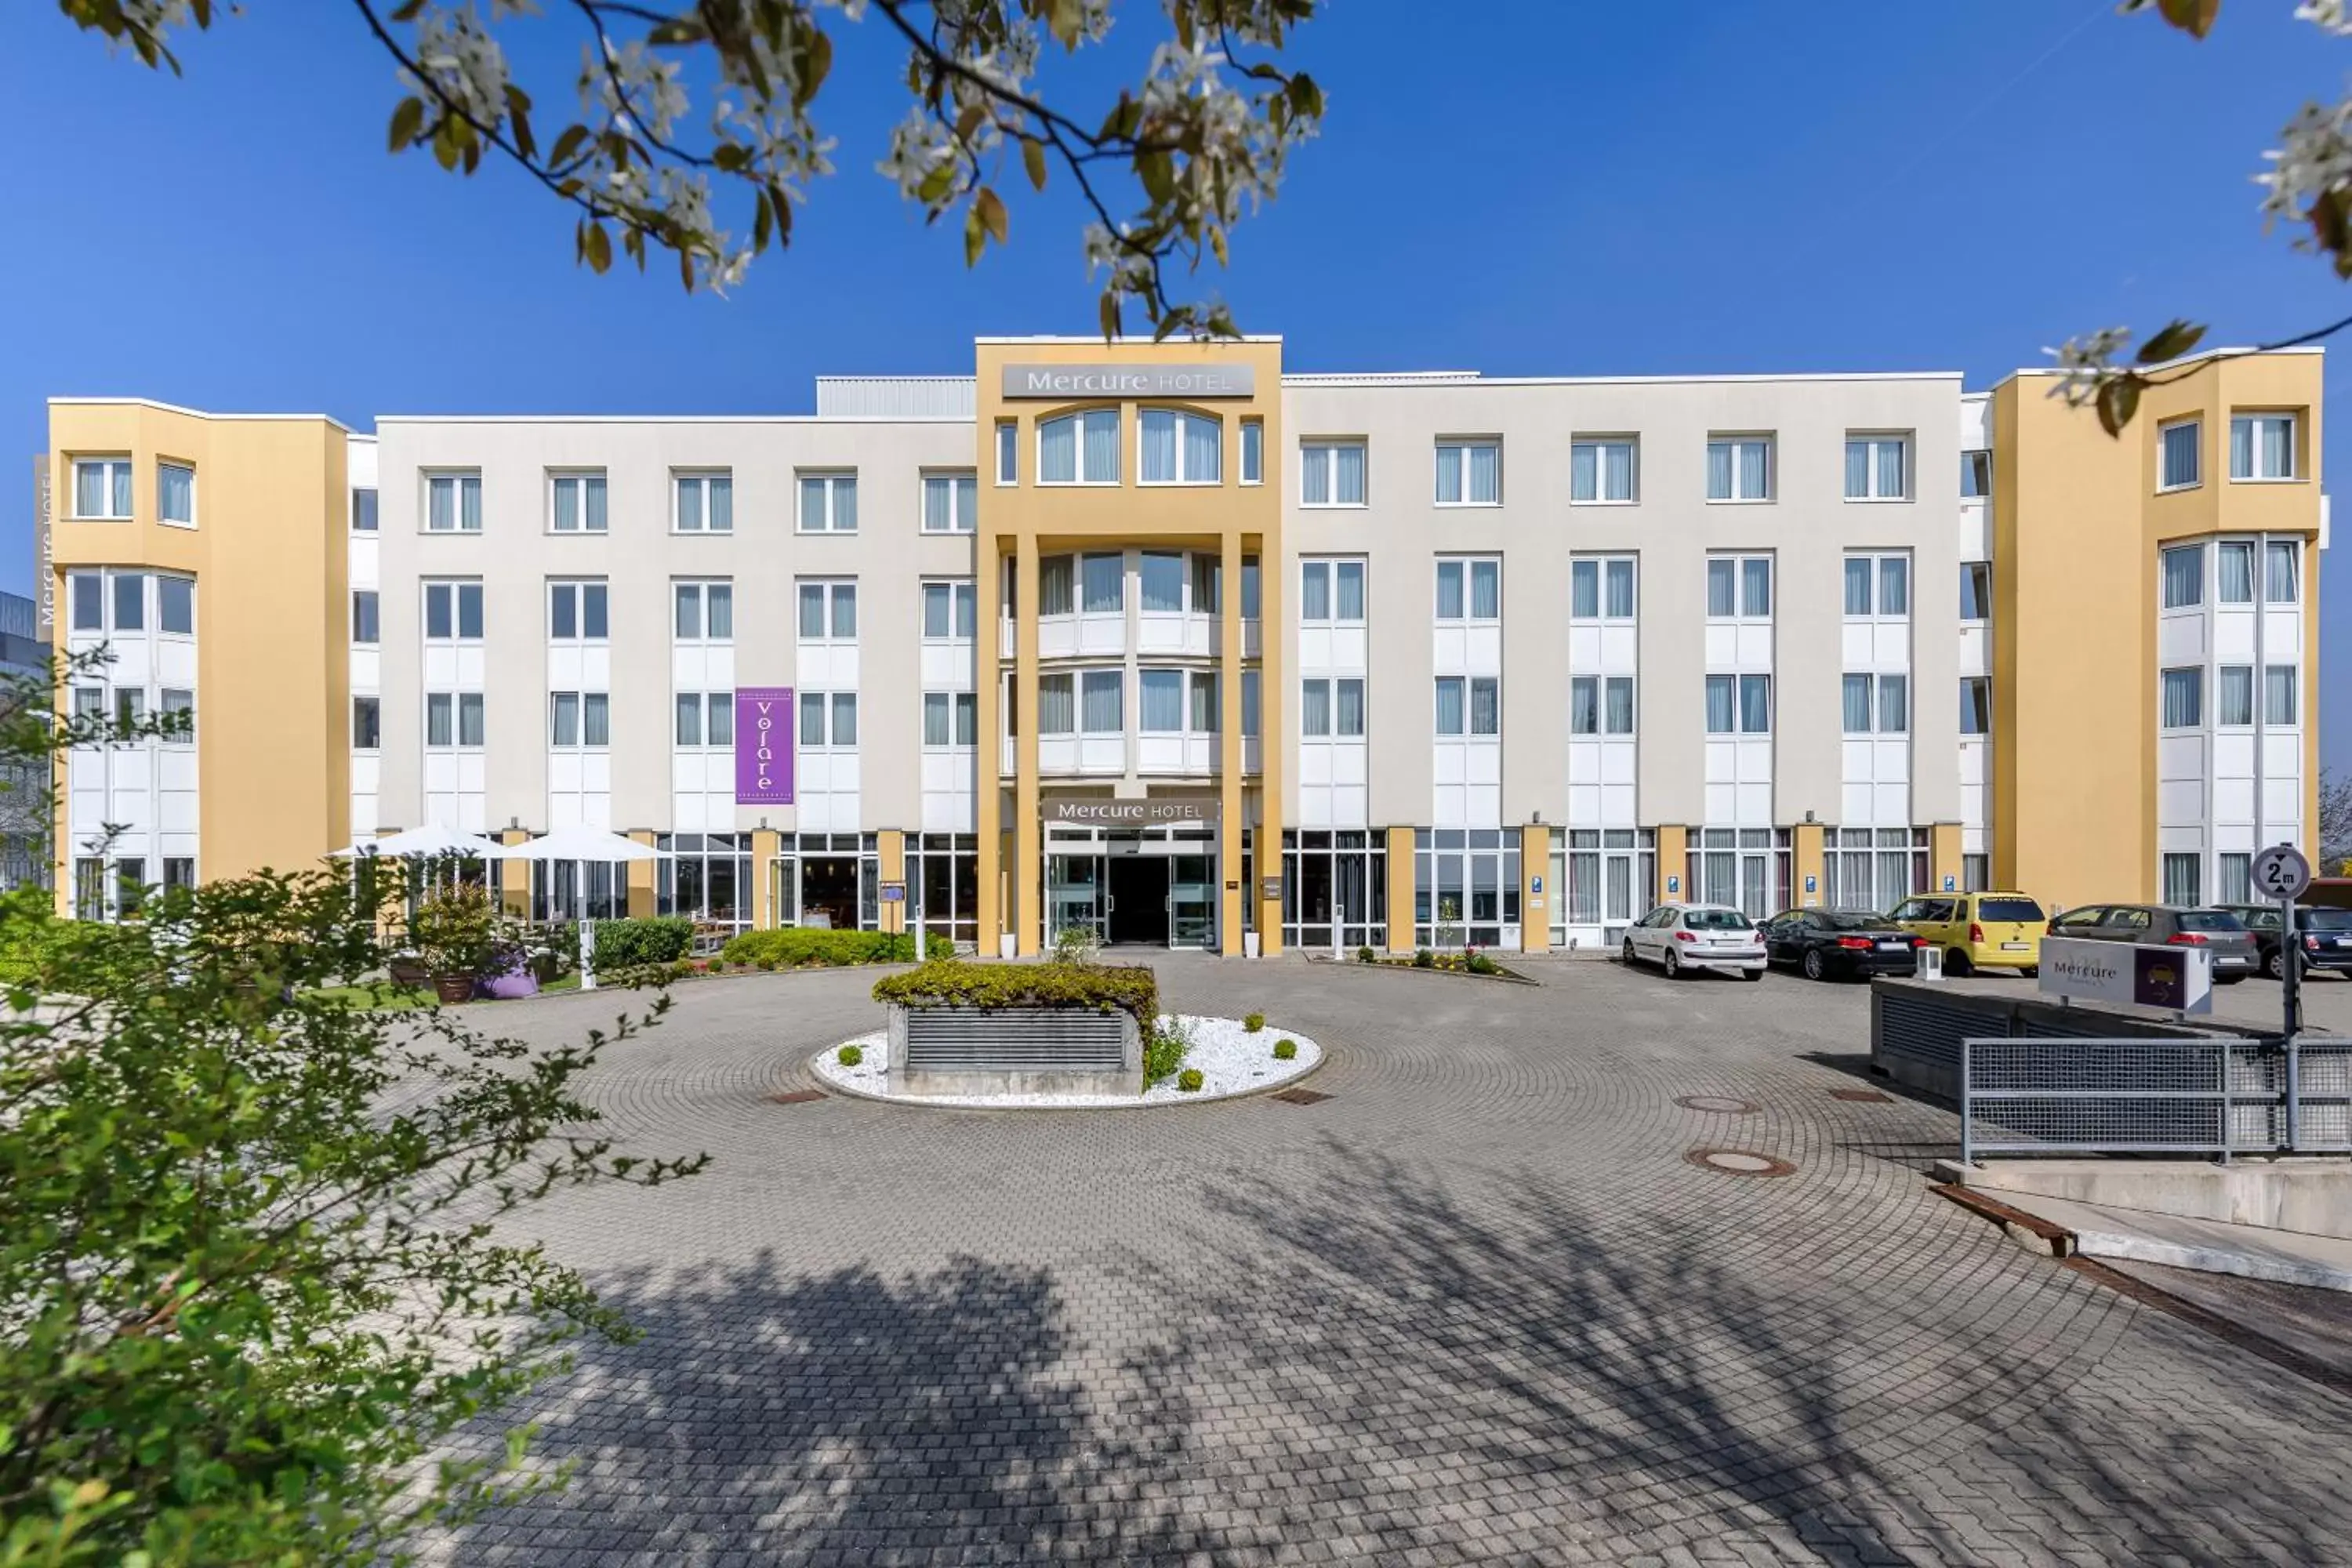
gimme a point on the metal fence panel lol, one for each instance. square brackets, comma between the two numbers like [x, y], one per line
[2047, 1094]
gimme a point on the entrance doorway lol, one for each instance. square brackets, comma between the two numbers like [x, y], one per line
[829, 891]
[1138, 899]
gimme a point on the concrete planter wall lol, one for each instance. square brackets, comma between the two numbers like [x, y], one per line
[1015, 1050]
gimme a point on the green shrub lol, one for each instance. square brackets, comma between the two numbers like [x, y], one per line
[958, 983]
[767, 965]
[1190, 1080]
[1423, 959]
[850, 1056]
[626, 945]
[936, 946]
[1284, 1050]
[1479, 963]
[1364, 955]
[1165, 1045]
[1253, 1022]
[794, 946]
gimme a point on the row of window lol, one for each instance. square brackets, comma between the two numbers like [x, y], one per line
[2182, 693]
[2262, 449]
[118, 602]
[130, 708]
[102, 491]
[2233, 572]
[702, 501]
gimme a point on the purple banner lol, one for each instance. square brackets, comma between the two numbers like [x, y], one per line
[763, 745]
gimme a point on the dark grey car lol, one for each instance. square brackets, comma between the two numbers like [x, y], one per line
[2236, 954]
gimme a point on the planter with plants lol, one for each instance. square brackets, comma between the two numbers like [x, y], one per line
[959, 1027]
[455, 932]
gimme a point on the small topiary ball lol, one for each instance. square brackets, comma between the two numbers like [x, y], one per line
[1285, 1049]
[1190, 1080]
[1253, 1021]
[850, 1056]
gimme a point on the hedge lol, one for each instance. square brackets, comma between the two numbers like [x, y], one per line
[953, 982]
[625, 945]
[794, 945]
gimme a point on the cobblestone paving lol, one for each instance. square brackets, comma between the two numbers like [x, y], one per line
[1476, 1307]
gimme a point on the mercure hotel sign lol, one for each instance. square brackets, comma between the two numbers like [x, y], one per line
[1062, 381]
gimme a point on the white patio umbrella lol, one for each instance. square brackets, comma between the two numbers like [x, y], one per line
[574, 843]
[429, 842]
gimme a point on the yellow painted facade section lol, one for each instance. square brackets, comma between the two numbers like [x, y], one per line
[641, 881]
[1024, 521]
[2078, 525]
[1535, 907]
[890, 853]
[1403, 873]
[1673, 856]
[268, 553]
[1944, 856]
[1805, 861]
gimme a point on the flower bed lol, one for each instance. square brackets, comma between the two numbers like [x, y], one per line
[792, 947]
[955, 983]
[1474, 962]
[1231, 1059]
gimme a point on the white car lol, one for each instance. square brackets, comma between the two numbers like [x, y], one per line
[1679, 938]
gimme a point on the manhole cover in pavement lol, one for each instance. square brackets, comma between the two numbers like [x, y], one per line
[1301, 1097]
[798, 1097]
[1860, 1095]
[1740, 1163]
[1721, 1104]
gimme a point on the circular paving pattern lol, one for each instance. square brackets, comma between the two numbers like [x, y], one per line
[1740, 1163]
[1721, 1104]
[1470, 1308]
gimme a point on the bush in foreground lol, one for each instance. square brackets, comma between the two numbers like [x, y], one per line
[1190, 1080]
[850, 1056]
[1285, 1050]
[1252, 1023]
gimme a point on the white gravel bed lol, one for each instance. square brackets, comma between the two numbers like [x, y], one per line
[1231, 1060]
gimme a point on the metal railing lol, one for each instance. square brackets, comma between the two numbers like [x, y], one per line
[2215, 1096]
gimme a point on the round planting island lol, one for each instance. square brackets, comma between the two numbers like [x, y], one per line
[1230, 1057]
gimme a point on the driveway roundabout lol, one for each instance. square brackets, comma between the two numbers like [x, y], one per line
[1469, 1301]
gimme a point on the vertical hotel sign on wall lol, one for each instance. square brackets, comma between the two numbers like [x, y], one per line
[763, 745]
[45, 580]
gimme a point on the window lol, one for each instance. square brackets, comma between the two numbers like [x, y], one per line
[1976, 590]
[2184, 576]
[2180, 879]
[1162, 706]
[1584, 705]
[90, 888]
[1250, 679]
[179, 710]
[705, 502]
[1877, 468]
[1739, 468]
[453, 610]
[2236, 561]
[1008, 451]
[2262, 447]
[175, 605]
[1740, 704]
[1249, 588]
[1617, 704]
[2279, 708]
[1102, 702]
[130, 708]
[2184, 698]
[1057, 705]
[1601, 470]
[1486, 705]
[1740, 586]
[1450, 716]
[102, 488]
[1469, 473]
[1102, 581]
[364, 627]
[1894, 704]
[578, 611]
[87, 590]
[90, 703]
[951, 610]
[1162, 575]
[130, 601]
[1976, 475]
[703, 612]
[688, 725]
[2278, 573]
[1253, 451]
[563, 718]
[828, 503]
[2236, 876]
[1315, 708]
[1330, 473]
[1879, 584]
[1975, 873]
[950, 503]
[1485, 590]
[1057, 586]
[453, 718]
[1206, 570]
[1204, 701]
[1331, 591]
[1857, 706]
[364, 511]
[828, 611]
[453, 503]
[175, 494]
[1079, 448]
[2233, 694]
[1180, 448]
[2176, 455]
[827, 718]
[367, 723]
[1976, 705]
[1348, 708]
[576, 503]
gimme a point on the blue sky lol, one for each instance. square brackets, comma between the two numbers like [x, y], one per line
[1564, 188]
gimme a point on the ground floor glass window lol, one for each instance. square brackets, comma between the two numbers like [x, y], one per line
[1746, 868]
[579, 889]
[1605, 877]
[944, 886]
[1335, 889]
[704, 876]
[1872, 868]
[1465, 891]
[830, 881]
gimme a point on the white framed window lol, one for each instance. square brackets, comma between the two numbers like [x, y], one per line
[1332, 708]
[2183, 692]
[1253, 451]
[2233, 561]
[2182, 876]
[1738, 704]
[1205, 701]
[2278, 572]
[101, 488]
[828, 503]
[1601, 588]
[702, 719]
[1469, 589]
[1176, 448]
[453, 502]
[1878, 466]
[2236, 876]
[951, 611]
[1740, 588]
[2184, 576]
[367, 723]
[86, 601]
[1008, 451]
[175, 494]
[579, 720]
[828, 611]
[1331, 591]
[1486, 705]
[702, 611]
[1079, 448]
[1160, 706]
[1976, 475]
[175, 605]
[950, 503]
[1603, 470]
[1879, 704]
[2178, 463]
[1057, 704]
[178, 708]
[1739, 468]
[577, 612]
[130, 594]
[2234, 696]
[951, 720]
[575, 502]
[1102, 702]
[453, 719]
[1879, 587]
[1331, 473]
[702, 501]
[828, 719]
[2262, 447]
[1976, 705]
[363, 510]
[1159, 575]
[1469, 473]
[1208, 572]
[1976, 590]
[1102, 583]
[2279, 707]
[1451, 716]
[453, 612]
[366, 623]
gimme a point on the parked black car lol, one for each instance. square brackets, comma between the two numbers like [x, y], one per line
[1841, 943]
[2326, 936]
[2235, 956]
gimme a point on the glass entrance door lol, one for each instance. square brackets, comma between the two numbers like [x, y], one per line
[1074, 895]
[1191, 901]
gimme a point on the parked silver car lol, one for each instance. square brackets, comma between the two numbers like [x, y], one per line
[2235, 952]
[1679, 938]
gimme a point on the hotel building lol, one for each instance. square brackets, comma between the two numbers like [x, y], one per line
[1162, 641]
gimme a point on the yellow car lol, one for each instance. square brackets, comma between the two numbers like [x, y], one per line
[1977, 930]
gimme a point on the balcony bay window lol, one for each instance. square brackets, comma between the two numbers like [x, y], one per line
[2184, 576]
[1103, 585]
[1180, 448]
[1162, 574]
[1102, 703]
[1079, 448]
[2278, 573]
